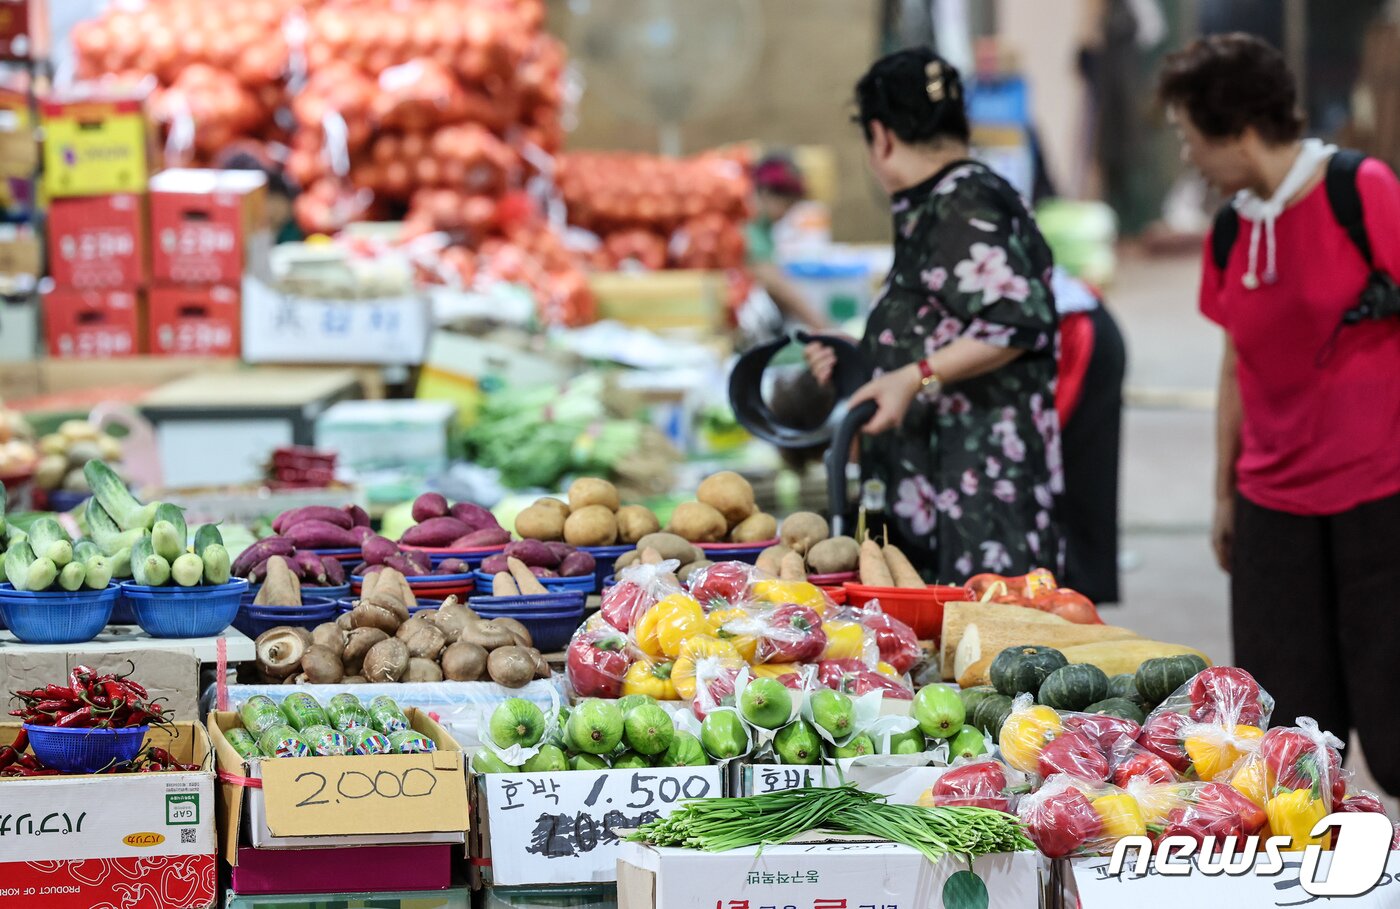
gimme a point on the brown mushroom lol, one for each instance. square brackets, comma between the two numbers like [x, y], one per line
[519, 631]
[421, 670]
[322, 665]
[357, 644]
[367, 615]
[279, 651]
[488, 635]
[464, 662]
[354, 680]
[329, 635]
[344, 622]
[386, 661]
[425, 641]
[542, 670]
[511, 667]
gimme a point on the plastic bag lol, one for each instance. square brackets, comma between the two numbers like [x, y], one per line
[597, 660]
[723, 584]
[1225, 695]
[1198, 811]
[660, 631]
[638, 588]
[896, 642]
[1028, 729]
[984, 782]
[1071, 816]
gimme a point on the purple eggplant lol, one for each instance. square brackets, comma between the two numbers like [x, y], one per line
[429, 505]
[434, 532]
[260, 552]
[323, 513]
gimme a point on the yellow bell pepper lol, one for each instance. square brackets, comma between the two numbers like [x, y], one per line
[1156, 802]
[1294, 813]
[1026, 734]
[844, 640]
[1121, 815]
[693, 651]
[677, 616]
[731, 625]
[1254, 781]
[774, 670]
[799, 592]
[1213, 756]
[645, 677]
[888, 671]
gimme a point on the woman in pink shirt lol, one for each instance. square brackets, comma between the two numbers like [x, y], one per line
[1308, 476]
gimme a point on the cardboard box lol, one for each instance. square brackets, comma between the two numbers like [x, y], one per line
[141, 841]
[24, 30]
[662, 300]
[95, 143]
[834, 872]
[203, 222]
[456, 898]
[98, 243]
[19, 251]
[195, 320]
[93, 324]
[342, 870]
[542, 828]
[328, 802]
[282, 327]
[885, 774]
[19, 381]
[172, 675]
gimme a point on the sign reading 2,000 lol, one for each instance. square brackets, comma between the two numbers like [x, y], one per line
[413, 783]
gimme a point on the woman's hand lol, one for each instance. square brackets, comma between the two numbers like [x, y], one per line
[1222, 534]
[893, 393]
[821, 359]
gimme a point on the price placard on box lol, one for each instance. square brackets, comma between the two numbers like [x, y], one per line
[563, 827]
[281, 327]
[887, 774]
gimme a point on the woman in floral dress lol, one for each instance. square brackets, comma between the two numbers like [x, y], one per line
[966, 438]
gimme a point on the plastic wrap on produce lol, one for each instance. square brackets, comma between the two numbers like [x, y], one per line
[458, 706]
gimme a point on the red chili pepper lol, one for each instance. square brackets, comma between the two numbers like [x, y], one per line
[8, 755]
[161, 756]
[42, 771]
[56, 692]
[27, 760]
[80, 678]
[21, 741]
[50, 706]
[40, 719]
[76, 720]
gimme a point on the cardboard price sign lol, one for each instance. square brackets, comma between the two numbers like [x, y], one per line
[357, 795]
[564, 827]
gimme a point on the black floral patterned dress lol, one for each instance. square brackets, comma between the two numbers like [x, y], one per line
[971, 476]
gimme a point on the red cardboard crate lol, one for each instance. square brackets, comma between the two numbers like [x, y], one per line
[195, 320]
[201, 224]
[93, 324]
[98, 243]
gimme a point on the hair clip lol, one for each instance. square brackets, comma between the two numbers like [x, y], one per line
[934, 73]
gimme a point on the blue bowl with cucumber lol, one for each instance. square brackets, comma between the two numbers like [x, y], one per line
[57, 591]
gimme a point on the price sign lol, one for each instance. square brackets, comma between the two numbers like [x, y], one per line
[888, 775]
[408, 793]
[557, 828]
[280, 327]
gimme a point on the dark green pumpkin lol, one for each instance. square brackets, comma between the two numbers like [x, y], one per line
[971, 697]
[1122, 708]
[1124, 686]
[1157, 678]
[991, 714]
[1073, 687]
[1021, 670]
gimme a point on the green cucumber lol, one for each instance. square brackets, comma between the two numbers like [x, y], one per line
[111, 493]
[187, 570]
[147, 567]
[205, 536]
[85, 549]
[41, 574]
[72, 576]
[167, 541]
[121, 562]
[99, 572]
[176, 516]
[18, 558]
[60, 553]
[104, 530]
[48, 539]
[217, 564]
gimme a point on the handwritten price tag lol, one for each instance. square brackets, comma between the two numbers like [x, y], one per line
[421, 793]
[280, 327]
[564, 827]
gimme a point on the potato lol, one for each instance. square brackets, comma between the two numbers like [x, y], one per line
[770, 560]
[540, 522]
[834, 556]
[804, 529]
[635, 522]
[587, 491]
[552, 502]
[698, 523]
[627, 558]
[687, 571]
[729, 494]
[591, 525]
[755, 528]
[670, 546]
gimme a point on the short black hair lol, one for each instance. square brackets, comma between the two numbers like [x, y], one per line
[916, 94]
[1228, 83]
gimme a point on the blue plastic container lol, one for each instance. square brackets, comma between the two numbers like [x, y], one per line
[548, 633]
[308, 592]
[605, 557]
[185, 612]
[345, 604]
[584, 584]
[57, 616]
[734, 552]
[609, 581]
[549, 604]
[254, 620]
[84, 750]
[65, 500]
[348, 556]
[359, 579]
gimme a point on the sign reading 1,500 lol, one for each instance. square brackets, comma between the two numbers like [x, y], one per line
[413, 783]
[649, 789]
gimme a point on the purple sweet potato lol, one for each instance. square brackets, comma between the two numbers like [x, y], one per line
[533, 553]
[420, 558]
[474, 516]
[541, 572]
[404, 566]
[361, 532]
[335, 571]
[488, 536]
[561, 550]
[376, 549]
[577, 564]
[317, 534]
[452, 566]
[323, 513]
[358, 516]
[365, 571]
[308, 567]
[434, 532]
[494, 565]
[429, 505]
[259, 553]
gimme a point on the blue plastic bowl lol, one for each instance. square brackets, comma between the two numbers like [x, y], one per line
[605, 557]
[345, 604]
[348, 556]
[57, 616]
[254, 620]
[734, 552]
[553, 604]
[548, 632]
[584, 584]
[185, 612]
[609, 581]
[84, 750]
[64, 500]
[328, 593]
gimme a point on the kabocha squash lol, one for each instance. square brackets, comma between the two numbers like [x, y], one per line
[971, 697]
[991, 713]
[1156, 679]
[1122, 708]
[1124, 685]
[1018, 670]
[1073, 687]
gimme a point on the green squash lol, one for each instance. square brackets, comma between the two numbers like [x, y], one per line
[1157, 678]
[1021, 670]
[991, 714]
[971, 697]
[1073, 687]
[1122, 708]
[1124, 686]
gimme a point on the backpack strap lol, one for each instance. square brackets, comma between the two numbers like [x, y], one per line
[1223, 234]
[1345, 199]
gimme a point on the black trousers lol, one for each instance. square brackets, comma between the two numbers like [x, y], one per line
[1090, 442]
[1316, 618]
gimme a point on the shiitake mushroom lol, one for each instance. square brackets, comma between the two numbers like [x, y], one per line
[464, 662]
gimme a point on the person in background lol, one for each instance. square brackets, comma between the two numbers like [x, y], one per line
[965, 438]
[280, 219]
[1308, 477]
[778, 187]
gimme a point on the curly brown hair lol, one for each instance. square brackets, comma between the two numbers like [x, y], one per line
[1228, 83]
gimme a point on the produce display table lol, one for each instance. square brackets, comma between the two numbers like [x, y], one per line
[115, 638]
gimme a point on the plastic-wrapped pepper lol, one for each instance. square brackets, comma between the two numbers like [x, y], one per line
[1294, 813]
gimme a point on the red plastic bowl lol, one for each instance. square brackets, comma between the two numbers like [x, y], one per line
[921, 610]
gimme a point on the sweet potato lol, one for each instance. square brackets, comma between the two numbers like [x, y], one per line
[495, 564]
[281, 587]
[260, 552]
[335, 571]
[475, 517]
[318, 534]
[376, 549]
[525, 579]
[561, 550]
[361, 532]
[533, 552]
[486, 536]
[308, 567]
[358, 516]
[452, 566]
[404, 565]
[323, 513]
[429, 505]
[434, 532]
[902, 570]
[577, 564]
[420, 558]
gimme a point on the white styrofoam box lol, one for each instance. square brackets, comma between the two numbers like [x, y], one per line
[400, 434]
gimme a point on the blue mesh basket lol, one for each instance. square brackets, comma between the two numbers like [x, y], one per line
[345, 604]
[84, 750]
[57, 616]
[585, 584]
[185, 612]
[308, 591]
[254, 620]
[604, 558]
